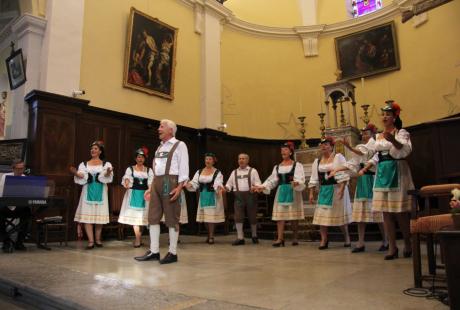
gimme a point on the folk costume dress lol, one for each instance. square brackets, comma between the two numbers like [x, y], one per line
[330, 210]
[93, 207]
[134, 208]
[393, 177]
[288, 203]
[210, 205]
[362, 203]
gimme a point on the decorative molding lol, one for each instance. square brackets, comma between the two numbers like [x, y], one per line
[28, 23]
[308, 34]
[309, 39]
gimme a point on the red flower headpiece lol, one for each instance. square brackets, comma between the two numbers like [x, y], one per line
[143, 151]
[371, 127]
[328, 139]
[99, 143]
[393, 107]
[290, 145]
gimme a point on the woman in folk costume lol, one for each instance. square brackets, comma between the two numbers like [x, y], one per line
[333, 206]
[93, 208]
[134, 209]
[289, 177]
[209, 182]
[361, 164]
[393, 178]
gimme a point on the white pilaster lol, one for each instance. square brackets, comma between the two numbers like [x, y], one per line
[61, 54]
[28, 32]
[209, 16]
[308, 10]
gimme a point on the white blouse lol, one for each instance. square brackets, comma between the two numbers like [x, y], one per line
[354, 163]
[383, 145]
[148, 174]
[197, 179]
[338, 162]
[299, 177]
[89, 169]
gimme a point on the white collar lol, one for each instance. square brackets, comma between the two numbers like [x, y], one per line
[171, 141]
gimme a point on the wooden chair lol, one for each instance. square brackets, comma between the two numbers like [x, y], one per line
[56, 226]
[427, 193]
[116, 193]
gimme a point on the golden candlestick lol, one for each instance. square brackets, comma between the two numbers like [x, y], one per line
[303, 141]
[322, 127]
[343, 123]
[365, 118]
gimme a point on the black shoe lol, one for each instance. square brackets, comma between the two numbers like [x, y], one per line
[90, 247]
[358, 250]
[20, 247]
[255, 240]
[407, 254]
[238, 242]
[278, 244]
[168, 259]
[7, 246]
[138, 245]
[392, 256]
[210, 241]
[148, 256]
[324, 247]
[384, 248]
[295, 243]
[98, 245]
[347, 245]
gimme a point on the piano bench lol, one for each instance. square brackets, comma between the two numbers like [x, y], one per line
[54, 227]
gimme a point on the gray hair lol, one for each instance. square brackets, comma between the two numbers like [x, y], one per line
[244, 154]
[170, 124]
[16, 161]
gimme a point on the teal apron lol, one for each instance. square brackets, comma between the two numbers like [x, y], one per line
[387, 176]
[285, 189]
[326, 195]
[137, 200]
[364, 187]
[285, 194]
[207, 199]
[94, 191]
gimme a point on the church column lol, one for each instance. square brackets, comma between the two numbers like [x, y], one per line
[209, 16]
[61, 53]
[27, 33]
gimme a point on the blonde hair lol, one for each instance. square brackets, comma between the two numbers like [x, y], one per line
[170, 124]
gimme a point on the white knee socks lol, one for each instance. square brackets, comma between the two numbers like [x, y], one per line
[155, 238]
[173, 237]
[239, 230]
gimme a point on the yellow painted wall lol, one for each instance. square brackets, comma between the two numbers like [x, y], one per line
[264, 78]
[103, 54]
[277, 13]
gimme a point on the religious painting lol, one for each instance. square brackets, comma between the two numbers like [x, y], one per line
[150, 55]
[368, 52]
[16, 69]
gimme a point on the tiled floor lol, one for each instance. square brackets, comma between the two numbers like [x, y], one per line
[218, 277]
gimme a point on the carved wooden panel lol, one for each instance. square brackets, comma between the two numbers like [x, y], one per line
[57, 147]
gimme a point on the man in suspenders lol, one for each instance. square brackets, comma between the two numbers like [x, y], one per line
[170, 168]
[241, 182]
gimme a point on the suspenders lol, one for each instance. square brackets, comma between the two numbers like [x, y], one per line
[236, 179]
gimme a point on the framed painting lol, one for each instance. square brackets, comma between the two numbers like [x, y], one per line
[368, 52]
[11, 150]
[150, 55]
[16, 69]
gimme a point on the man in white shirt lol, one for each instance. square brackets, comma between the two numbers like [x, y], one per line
[20, 217]
[170, 167]
[241, 182]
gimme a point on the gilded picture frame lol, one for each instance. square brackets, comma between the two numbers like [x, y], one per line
[150, 55]
[368, 52]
